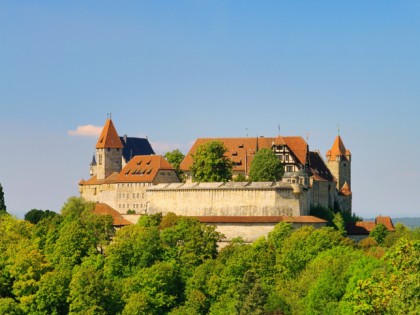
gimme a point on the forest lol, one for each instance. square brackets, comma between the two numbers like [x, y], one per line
[75, 263]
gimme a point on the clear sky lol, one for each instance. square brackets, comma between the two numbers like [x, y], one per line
[178, 70]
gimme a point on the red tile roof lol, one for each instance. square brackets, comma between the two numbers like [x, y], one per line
[117, 218]
[259, 219]
[109, 137]
[365, 227]
[387, 221]
[242, 150]
[143, 169]
[337, 149]
[140, 169]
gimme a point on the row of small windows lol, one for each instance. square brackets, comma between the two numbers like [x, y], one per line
[134, 195]
[126, 185]
[134, 205]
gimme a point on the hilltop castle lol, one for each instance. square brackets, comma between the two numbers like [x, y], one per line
[128, 177]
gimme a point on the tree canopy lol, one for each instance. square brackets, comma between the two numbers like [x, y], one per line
[35, 215]
[266, 167]
[2, 203]
[210, 163]
[66, 264]
[175, 158]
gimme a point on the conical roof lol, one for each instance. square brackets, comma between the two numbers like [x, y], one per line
[109, 137]
[345, 190]
[337, 149]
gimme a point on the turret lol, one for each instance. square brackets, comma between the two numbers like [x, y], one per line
[339, 163]
[108, 151]
[92, 169]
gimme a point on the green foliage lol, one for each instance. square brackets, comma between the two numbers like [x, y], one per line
[379, 233]
[280, 232]
[131, 211]
[150, 220]
[35, 215]
[339, 224]
[2, 203]
[10, 307]
[51, 297]
[240, 178]
[90, 292]
[170, 265]
[175, 158]
[266, 167]
[80, 233]
[133, 247]
[302, 246]
[336, 219]
[210, 163]
[159, 287]
[189, 243]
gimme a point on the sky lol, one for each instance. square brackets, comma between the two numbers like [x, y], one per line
[175, 71]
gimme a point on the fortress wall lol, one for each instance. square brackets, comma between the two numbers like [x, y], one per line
[228, 202]
[250, 232]
[322, 194]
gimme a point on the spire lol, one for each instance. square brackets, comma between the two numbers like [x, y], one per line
[93, 163]
[338, 149]
[109, 137]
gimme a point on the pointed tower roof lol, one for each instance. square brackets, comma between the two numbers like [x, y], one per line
[345, 190]
[109, 137]
[337, 149]
[93, 163]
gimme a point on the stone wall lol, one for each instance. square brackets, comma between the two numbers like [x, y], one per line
[108, 161]
[229, 199]
[250, 232]
[322, 194]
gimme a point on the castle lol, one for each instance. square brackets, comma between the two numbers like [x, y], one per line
[126, 176]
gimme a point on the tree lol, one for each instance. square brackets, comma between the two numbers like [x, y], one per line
[35, 215]
[2, 204]
[379, 233]
[210, 163]
[175, 158]
[133, 247]
[266, 167]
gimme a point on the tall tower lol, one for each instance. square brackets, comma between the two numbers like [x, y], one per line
[108, 151]
[339, 163]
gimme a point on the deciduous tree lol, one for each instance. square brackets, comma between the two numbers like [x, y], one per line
[175, 158]
[266, 167]
[210, 163]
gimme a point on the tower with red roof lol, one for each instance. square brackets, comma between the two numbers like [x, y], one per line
[339, 163]
[108, 151]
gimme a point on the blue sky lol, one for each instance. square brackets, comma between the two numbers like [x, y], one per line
[178, 70]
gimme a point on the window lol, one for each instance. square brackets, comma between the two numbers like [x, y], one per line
[289, 168]
[100, 159]
[286, 157]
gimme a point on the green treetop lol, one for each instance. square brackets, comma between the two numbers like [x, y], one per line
[210, 163]
[265, 167]
[2, 204]
[175, 158]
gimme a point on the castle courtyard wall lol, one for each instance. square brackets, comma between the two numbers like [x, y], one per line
[220, 199]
